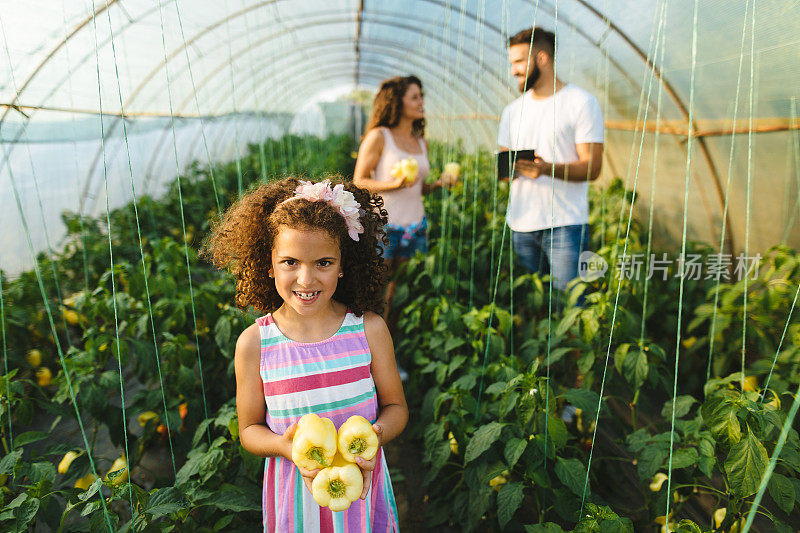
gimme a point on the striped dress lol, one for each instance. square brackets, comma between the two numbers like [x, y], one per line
[332, 379]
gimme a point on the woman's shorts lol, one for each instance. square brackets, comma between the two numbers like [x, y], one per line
[405, 241]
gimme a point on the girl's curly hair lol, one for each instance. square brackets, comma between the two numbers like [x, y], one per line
[387, 107]
[241, 242]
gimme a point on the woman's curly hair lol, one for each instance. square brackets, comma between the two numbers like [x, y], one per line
[241, 242]
[387, 107]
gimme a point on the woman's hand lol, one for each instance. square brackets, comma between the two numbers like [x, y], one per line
[288, 437]
[447, 180]
[400, 183]
[368, 466]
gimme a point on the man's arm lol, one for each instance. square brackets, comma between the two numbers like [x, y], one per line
[586, 168]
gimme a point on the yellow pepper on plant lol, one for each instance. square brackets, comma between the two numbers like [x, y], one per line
[63, 466]
[121, 463]
[314, 443]
[44, 376]
[84, 482]
[34, 357]
[357, 439]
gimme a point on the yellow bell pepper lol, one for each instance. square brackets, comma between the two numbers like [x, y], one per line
[147, 416]
[34, 357]
[658, 480]
[750, 383]
[44, 376]
[410, 169]
[337, 486]
[453, 443]
[63, 466]
[357, 439]
[121, 463]
[84, 482]
[314, 443]
[499, 480]
[454, 169]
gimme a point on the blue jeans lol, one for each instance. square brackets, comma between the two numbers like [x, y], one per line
[552, 251]
[405, 241]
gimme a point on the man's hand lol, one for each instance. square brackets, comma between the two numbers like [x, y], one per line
[531, 169]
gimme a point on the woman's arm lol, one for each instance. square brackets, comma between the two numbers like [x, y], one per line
[393, 414]
[445, 179]
[256, 437]
[368, 156]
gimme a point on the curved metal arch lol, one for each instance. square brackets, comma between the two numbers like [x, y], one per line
[545, 7]
[226, 62]
[304, 95]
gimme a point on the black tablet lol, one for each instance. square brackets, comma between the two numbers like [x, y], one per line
[508, 158]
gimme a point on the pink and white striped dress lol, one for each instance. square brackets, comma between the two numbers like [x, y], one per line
[332, 379]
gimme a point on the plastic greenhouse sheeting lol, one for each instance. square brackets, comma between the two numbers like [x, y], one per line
[225, 73]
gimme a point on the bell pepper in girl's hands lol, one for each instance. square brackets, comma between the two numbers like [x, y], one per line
[314, 442]
[337, 486]
[357, 438]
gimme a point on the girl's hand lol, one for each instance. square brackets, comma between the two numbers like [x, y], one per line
[288, 437]
[368, 466]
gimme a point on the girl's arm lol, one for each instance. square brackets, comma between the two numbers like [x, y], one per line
[254, 434]
[368, 156]
[393, 410]
[256, 437]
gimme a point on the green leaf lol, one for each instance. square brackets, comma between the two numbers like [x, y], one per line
[557, 431]
[684, 457]
[583, 399]
[222, 332]
[508, 501]
[745, 466]
[558, 353]
[547, 527]
[782, 491]
[28, 437]
[635, 368]
[514, 450]
[165, 501]
[569, 319]
[234, 499]
[720, 415]
[7, 463]
[27, 512]
[651, 459]
[453, 342]
[483, 438]
[572, 474]
[682, 406]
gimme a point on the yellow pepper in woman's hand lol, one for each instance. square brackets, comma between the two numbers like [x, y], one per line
[357, 439]
[337, 486]
[314, 442]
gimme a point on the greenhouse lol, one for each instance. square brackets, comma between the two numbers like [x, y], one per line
[550, 283]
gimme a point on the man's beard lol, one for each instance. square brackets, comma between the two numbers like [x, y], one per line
[533, 77]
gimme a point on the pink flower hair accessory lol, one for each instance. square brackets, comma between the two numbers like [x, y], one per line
[337, 197]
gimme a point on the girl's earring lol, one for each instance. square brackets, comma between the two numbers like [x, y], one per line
[341, 274]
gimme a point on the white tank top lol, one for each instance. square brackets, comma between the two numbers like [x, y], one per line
[404, 205]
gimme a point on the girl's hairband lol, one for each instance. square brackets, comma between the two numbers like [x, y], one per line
[337, 197]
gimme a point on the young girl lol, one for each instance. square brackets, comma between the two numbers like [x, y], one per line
[307, 255]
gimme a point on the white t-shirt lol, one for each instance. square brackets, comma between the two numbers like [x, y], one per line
[528, 123]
